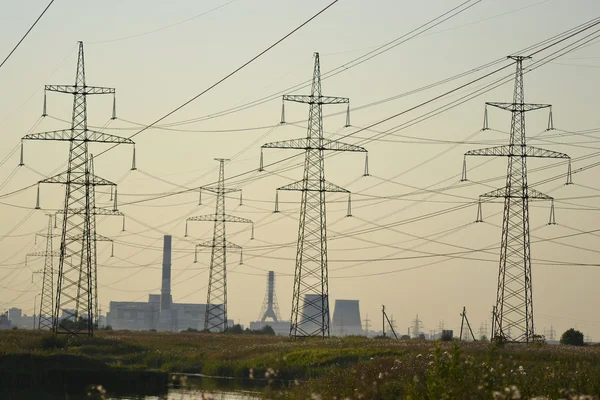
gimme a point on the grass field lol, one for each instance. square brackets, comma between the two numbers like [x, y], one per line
[352, 368]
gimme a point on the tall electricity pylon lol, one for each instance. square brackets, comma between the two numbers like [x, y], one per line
[215, 316]
[45, 320]
[311, 275]
[513, 316]
[76, 293]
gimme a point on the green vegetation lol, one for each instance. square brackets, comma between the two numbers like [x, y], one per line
[572, 337]
[353, 367]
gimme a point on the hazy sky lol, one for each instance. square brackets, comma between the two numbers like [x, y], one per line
[156, 69]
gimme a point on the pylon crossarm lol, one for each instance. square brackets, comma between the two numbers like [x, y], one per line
[62, 178]
[101, 238]
[307, 99]
[72, 89]
[505, 151]
[43, 254]
[532, 194]
[96, 211]
[314, 186]
[519, 106]
[533, 151]
[334, 145]
[214, 189]
[306, 144]
[537, 195]
[226, 218]
[490, 151]
[67, 135]
[228, 244]
[298, 144]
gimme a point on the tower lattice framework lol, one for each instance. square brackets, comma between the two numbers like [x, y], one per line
[311, 273]
[513, 315]
[215, 316]
[270, 307]
[45, 320]
[76, 302]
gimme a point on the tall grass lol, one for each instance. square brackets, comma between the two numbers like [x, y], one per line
[335, 368]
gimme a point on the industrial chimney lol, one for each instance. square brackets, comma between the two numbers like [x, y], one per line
[165, 292]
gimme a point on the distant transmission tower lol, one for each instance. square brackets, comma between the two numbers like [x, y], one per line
[77, 286]
[513, 318]
[367, 322]
[270, 308]
[215, 316]
[47, 296]
[311, 274]
[417, 327]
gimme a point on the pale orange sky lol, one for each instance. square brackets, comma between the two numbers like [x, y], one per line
[155, 72]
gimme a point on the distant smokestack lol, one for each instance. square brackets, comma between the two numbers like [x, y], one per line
[165, 292]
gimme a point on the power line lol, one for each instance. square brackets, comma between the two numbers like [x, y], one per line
[26, 33]
[228, 75]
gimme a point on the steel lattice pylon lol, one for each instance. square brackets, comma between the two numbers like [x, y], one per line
[215, 315]
[270, 308]
[311, 274]
[76, 292]
[513, 319]
[45, 319]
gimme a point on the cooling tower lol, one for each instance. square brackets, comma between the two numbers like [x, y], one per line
[346, 318]
[311, 317]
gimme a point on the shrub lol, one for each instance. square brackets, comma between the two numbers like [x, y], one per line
[572, 337]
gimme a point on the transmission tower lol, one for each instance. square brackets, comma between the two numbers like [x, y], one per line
[311, 274]
[417, 327]
[215, 316]
[270, 308]
[47, 296]
[77, 287]
[514, 302]
[483, 330]
[367, 322]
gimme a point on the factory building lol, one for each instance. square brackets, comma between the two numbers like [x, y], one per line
[346, 318]
[159, 312]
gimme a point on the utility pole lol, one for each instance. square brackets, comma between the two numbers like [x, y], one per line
[462, 322]
[76, 293]
[215, 316]
[514, 301]
[47, 296]
[311, 273]
[385, 318]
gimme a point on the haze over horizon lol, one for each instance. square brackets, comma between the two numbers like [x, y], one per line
[159, 54]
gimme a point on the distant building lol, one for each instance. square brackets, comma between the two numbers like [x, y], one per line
[159, 312]
[346, 318]
[4, 321]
